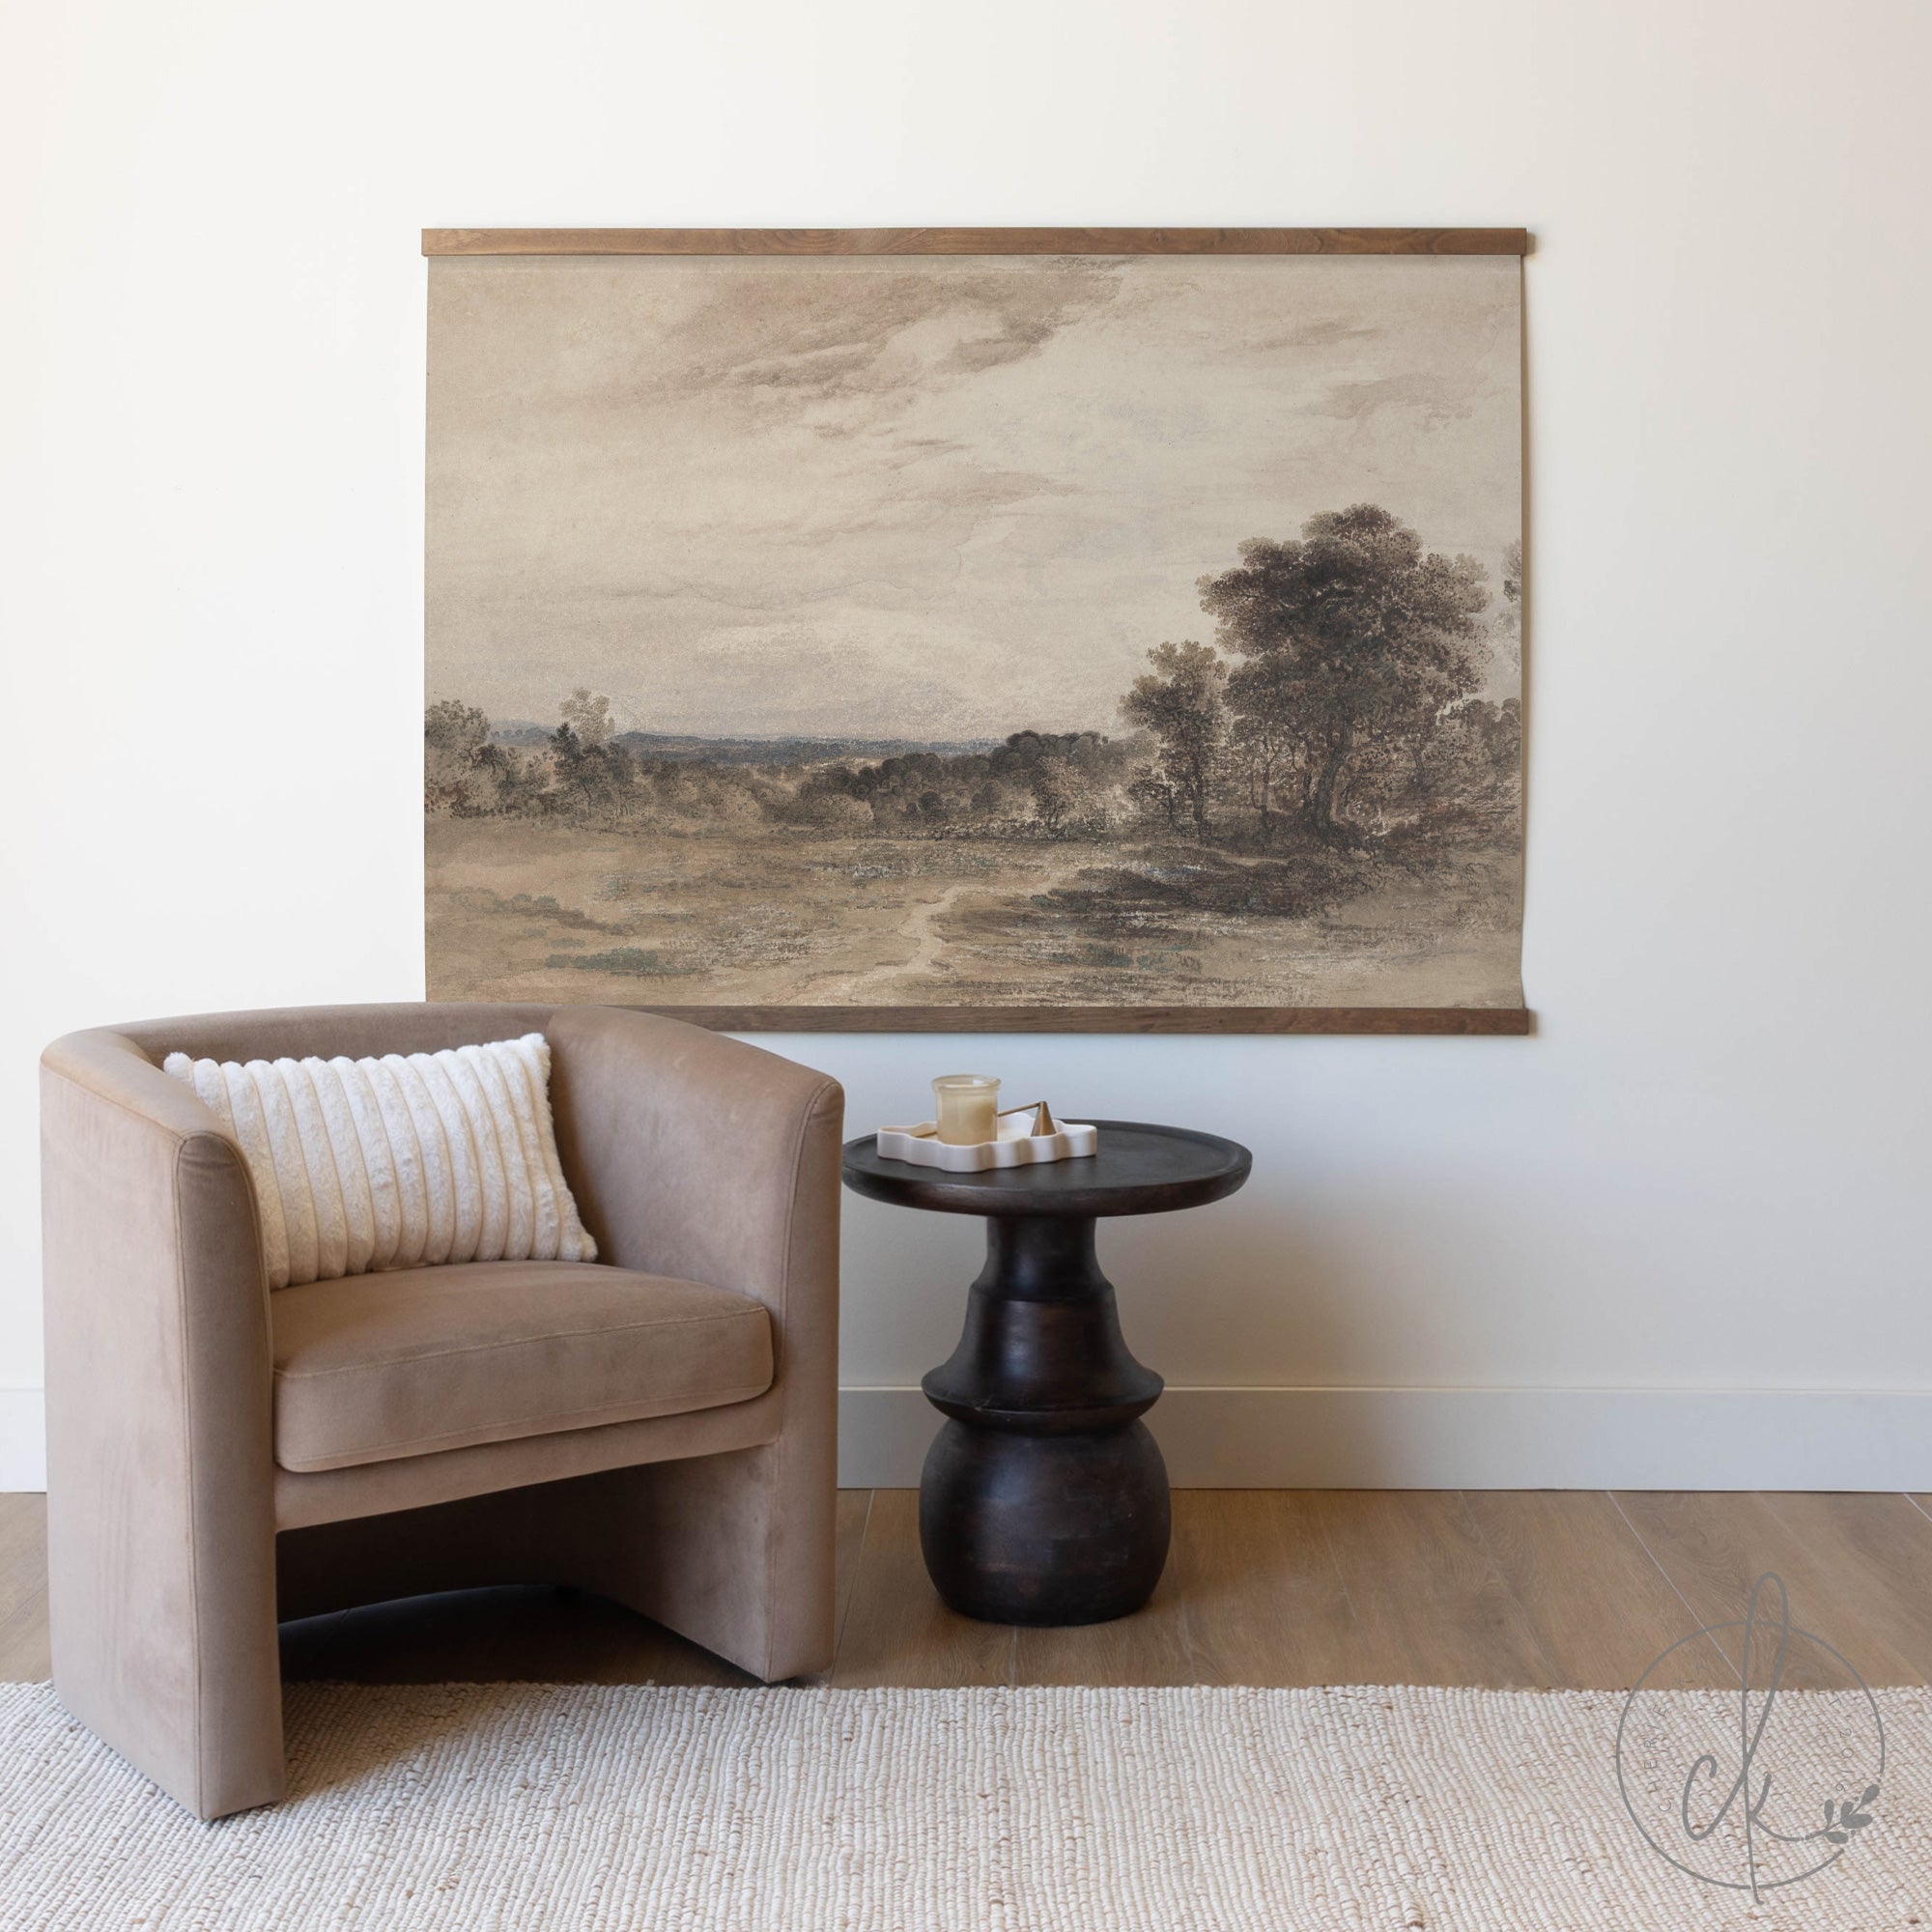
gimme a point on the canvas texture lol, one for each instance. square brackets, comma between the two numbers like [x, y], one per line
[1110, 636]
[403, 1161]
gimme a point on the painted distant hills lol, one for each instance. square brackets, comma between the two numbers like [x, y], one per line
[676, 745]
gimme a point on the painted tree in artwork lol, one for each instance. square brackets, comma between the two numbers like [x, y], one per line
[454, 737]
[588, 714]
[1182, 702]
[1350, 638]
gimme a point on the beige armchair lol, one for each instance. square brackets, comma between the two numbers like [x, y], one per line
[657, 1426]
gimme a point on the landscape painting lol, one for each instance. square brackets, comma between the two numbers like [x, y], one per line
[949, 642]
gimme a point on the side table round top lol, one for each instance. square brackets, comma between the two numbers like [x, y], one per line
[1138, 1168]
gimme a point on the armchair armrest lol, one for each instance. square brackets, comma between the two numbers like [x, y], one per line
[693, 1154]
[159, 1445]
[696, 1156]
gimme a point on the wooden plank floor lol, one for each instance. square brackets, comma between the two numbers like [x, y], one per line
[1536, 1588]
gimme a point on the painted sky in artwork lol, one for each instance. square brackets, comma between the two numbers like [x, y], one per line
[940, 498]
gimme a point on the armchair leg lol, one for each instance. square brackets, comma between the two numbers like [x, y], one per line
[168, 1652]
[733, 1551]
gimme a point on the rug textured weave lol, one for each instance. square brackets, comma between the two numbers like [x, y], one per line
[649, 1810]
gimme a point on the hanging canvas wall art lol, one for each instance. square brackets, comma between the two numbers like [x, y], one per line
[1114, 630]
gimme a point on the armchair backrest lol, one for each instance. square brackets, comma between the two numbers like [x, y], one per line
[359, 1032]
[684, 1148]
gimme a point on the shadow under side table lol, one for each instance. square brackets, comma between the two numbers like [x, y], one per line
[1044, 1497]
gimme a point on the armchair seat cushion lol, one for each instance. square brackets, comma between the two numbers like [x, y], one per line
[369, 1368]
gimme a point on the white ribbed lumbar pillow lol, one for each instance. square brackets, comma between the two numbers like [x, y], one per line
[405, 1161]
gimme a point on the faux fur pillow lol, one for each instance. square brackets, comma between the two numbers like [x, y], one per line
[405, 1161]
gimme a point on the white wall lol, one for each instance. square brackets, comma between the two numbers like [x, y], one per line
[1706, 1174]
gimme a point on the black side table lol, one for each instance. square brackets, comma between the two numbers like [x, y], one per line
[1044, 1497]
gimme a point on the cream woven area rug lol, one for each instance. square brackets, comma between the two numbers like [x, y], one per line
[550, 1808]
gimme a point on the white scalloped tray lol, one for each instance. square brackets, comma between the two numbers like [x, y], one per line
[1014, 1148]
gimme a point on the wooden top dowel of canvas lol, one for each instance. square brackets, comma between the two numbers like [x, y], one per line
[978, 630]
[974, 241]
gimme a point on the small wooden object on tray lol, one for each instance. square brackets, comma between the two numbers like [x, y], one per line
[1027, 1135]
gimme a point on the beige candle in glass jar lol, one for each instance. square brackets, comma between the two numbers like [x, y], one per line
[968, 1106]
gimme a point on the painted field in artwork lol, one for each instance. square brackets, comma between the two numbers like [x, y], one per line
[976, 635]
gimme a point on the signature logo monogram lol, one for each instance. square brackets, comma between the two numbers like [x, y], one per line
[1729, 1786]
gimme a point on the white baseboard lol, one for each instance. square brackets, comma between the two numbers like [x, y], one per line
[1453, 1438]
[23, 1440]
[1406, 1438]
